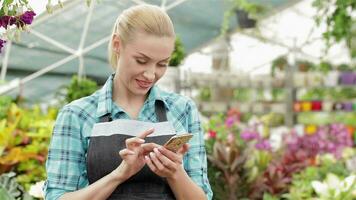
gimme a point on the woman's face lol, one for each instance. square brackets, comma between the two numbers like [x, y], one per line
[142, 61]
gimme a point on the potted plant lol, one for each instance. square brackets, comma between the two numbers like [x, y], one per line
[347, 76]
[304, 65]
[246, 14]
[279, 63]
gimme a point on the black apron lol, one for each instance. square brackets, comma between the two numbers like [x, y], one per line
[103, 157]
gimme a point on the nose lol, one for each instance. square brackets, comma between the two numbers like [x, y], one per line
[149, 74]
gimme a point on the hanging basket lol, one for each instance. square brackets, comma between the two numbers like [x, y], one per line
[244, 20]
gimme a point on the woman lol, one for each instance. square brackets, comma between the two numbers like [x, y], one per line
[83, 161]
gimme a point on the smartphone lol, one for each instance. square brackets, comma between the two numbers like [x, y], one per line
[177, 141]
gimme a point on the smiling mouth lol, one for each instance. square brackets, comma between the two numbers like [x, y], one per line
[143, 84]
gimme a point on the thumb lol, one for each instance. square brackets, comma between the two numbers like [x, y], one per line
[183, 149]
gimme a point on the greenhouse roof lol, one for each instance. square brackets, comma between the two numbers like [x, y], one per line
[74, 39]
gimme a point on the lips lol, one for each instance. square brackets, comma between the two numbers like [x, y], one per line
[143, 84]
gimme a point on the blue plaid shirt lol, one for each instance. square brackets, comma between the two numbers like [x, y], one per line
[66, 163]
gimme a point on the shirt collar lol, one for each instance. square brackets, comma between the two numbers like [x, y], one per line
[105, 102]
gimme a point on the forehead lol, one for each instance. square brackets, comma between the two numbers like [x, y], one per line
[156, 47]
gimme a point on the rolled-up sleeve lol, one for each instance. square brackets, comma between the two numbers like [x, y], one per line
[65, 165]
[195, 161]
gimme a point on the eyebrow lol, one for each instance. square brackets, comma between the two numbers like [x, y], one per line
[166, 59]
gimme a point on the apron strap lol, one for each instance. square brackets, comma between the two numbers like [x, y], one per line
[106, 118]
[160, 111]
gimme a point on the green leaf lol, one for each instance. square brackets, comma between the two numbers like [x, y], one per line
[9, 188]
[8, 2]
[6, 10]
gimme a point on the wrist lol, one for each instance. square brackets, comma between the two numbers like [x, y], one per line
[177, 175]
[119, 174]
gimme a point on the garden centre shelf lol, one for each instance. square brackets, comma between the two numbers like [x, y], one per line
[301, 80]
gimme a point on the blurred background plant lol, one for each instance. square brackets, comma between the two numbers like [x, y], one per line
[25, 134]
[256, 161]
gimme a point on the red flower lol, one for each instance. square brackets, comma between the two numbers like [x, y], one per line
[212, 134]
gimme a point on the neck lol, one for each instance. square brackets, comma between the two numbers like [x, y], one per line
[124, 97]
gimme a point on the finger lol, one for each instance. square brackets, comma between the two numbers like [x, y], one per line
[148, 147]
[157, 163]
[134, 141]
[164, 160]
[126, 152]
[150, 164]
[146, 133]
[171, 155]
[183, 149]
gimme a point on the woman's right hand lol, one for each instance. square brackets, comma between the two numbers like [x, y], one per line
[133, 156]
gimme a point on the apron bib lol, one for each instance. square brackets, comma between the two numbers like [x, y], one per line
[103, 157]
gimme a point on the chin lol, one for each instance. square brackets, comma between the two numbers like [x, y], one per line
[140, 91]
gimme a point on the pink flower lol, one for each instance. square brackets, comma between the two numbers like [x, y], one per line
[263, 145]
[231, 138]
[249, 135]
[229, 122]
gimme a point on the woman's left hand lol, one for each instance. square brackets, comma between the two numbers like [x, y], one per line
[166, 163]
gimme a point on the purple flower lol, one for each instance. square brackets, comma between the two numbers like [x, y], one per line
[27, 17]
[2, 42]
[7, 21]
[263, 145]
[229, 122]
[249, 135]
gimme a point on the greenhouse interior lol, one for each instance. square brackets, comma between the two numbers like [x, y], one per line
[273, 81]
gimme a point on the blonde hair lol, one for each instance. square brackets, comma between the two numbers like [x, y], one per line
[149, 19]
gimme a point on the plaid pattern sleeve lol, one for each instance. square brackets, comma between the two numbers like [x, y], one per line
[195, 161]
[66, 169]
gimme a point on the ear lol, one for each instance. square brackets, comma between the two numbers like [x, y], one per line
[116, 43]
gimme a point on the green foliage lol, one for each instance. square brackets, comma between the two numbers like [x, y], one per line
[324, 67]
[242, 94]
[24, 140]
[205, 94]
[9, 188]
[79, 88]
[178, 53]
[337, 94]
[345, 67]
[5, 102]
[339, 20]
[301, 184]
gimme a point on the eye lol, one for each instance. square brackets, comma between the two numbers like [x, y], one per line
[141, 61]
[162, 64]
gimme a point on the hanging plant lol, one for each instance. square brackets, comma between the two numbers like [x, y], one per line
[15, 16]
[247, 14]
[279, 63]
[340, 22]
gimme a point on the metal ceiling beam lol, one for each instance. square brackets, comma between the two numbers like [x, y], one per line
[52, 41]
[81, 69]
[138, 2]
[175, 4]
[5, 61]
[56, 10]
[13, 85]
